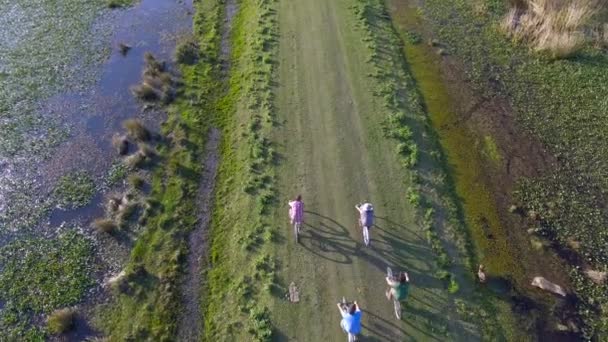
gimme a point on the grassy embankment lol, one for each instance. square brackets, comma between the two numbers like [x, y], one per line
[145, 302]
[558, 101]
[434, 190]
[241, 276]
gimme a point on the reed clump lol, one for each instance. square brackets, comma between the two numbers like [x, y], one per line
[555, 27]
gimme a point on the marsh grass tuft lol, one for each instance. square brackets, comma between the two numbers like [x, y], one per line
[103, 225]
[157, 82]
[60, 321]
[556, 27]
[187, 51]
[136, 130]
[123, 48]
[120, 144]
[136, 181]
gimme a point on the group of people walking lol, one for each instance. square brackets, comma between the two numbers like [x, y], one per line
[398, 286]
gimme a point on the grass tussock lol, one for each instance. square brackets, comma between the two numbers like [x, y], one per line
[124, 48]
[556, 27]
[120, 144]
[157, 83]
[118, 3]
[136, 181]
[60, 321]
[136, 130]
[105, 225]
[187, 51]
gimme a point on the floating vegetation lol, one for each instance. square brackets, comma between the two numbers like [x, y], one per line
[41, 274]
[117, 172]
[74, 190]
[35, 66]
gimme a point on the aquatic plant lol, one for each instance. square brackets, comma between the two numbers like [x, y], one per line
[41, 274]
[74, 190]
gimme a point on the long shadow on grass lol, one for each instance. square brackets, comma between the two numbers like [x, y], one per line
[385, 330]
[327, 238]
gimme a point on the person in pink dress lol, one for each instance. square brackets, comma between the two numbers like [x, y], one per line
[296, 210]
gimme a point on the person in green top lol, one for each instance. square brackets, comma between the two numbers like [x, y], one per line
[399, 289]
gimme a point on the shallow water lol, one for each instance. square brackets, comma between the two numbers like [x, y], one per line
[74, 127]
[60, 106]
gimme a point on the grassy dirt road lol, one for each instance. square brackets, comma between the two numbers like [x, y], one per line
[335, 155]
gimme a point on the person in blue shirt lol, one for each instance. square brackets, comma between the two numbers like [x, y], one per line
[351, 319]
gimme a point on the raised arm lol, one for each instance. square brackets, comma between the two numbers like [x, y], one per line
[391, 282]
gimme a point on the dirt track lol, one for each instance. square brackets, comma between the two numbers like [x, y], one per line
[335, 156]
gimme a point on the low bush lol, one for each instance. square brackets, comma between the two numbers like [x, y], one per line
[60, 321]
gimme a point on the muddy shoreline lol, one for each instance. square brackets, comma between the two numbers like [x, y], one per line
[505, 153]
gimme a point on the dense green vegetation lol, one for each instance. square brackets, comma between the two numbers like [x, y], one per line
[559, 101]
[146, 300]
[241, 235]
[40, 275]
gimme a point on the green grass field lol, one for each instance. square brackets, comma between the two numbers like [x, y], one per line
[327, 140]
